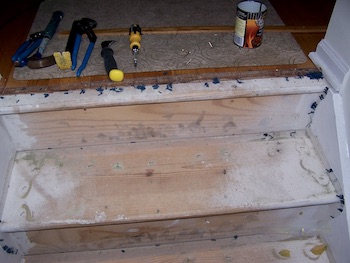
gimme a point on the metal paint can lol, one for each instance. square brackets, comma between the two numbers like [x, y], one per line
[249, 25]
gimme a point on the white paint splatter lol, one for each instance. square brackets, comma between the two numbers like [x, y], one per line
[121, 218]
[133, 230]
[173, 223]
[100, 216]
[18, 132]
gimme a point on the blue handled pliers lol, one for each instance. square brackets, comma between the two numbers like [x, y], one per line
[80, 27]
[20, 58]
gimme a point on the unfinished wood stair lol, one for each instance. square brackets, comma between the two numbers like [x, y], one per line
[215, 250]
[193, 179]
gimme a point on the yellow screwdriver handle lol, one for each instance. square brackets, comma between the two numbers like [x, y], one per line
[135, 39]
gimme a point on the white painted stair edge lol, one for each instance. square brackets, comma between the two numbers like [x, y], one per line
[110, 95]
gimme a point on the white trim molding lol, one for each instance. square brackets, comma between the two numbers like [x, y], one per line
[331, 63]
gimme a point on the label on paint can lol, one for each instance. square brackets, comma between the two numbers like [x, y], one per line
[249, 24]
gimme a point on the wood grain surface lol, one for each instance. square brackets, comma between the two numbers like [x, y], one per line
[213, 251]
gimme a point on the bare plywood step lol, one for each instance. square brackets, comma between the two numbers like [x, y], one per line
[220, 250]
[138, 182]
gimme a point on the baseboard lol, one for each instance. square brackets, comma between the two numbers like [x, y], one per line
[330, 63]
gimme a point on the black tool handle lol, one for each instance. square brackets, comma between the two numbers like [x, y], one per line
[111, 67]
[53, 24]
[50, 30]
[109, 61]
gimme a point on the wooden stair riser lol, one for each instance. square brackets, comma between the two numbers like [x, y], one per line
[293, 223]
[163, 121]
[246, 249]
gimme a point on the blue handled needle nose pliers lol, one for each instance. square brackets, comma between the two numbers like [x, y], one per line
[80, 27]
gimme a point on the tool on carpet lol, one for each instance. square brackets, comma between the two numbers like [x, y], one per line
[111, 67]
[135, 40]
[37, 60]
[37, 41]
[20, 58]
[68, 58]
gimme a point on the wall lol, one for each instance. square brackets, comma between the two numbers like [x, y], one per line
[8, 250]
[331, 123]
[332, 55]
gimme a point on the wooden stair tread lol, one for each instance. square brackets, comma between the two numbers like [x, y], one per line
[135, 182]
[216, 250]
[202, 29]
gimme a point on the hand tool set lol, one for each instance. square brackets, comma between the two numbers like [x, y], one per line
[37, 42]
[30, 53]
[110, 64]
[80, 27]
